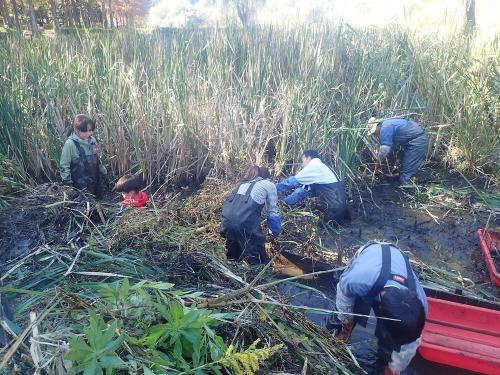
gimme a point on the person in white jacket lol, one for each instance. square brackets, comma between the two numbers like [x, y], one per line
[316, 179]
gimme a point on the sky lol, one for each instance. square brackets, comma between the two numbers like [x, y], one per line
[430, 15]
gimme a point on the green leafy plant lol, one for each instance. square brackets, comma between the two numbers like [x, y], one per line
[95, 353]
[186, 335]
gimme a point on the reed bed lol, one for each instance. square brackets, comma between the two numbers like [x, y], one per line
[178, 105]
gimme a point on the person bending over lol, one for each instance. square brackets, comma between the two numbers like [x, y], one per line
[409, 135]
[130, 186]
[317, 179]
[380, 282]
[240, 221]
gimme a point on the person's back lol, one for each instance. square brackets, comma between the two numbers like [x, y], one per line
[380, 281]
[241, 212]
[399, 131]
[317, 179]
[367, 266]
[407, 134]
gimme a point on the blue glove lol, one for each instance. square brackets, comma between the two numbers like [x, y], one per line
[274, 224]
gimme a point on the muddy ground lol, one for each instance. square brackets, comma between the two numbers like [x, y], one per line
[439, 236]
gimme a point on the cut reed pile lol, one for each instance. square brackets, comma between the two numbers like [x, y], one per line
[178, 104]
[148, 292]
[104, 293]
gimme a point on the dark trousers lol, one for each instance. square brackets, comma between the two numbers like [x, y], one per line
[242, 245]
[413, 156]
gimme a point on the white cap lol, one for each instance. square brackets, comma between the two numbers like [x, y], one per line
[372, 125]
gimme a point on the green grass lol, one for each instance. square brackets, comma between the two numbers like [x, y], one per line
[177, 104]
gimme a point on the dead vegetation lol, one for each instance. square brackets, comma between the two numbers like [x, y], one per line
[94, 274]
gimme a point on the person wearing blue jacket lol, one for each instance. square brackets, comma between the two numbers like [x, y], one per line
[380, 283]
[316, 179]
[241, 212]
[409, 135]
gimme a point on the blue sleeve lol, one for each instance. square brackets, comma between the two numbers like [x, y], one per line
[298, 195]
[287, 185]
[274, 223]
[387, 133]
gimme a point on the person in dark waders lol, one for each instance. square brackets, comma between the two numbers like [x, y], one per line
[380, 283]
[241, 217]
[79, 164]
[408, 134]
[319, 180]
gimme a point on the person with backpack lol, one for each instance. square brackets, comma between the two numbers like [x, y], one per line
[79, 164]
[407, 134]
[241, 212]
[380, 287]
[319, 180]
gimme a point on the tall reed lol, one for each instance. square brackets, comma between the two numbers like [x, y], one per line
[177, 104]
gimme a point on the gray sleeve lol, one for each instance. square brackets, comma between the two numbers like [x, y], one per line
[271, 199]
[356, 281]
[344, 304]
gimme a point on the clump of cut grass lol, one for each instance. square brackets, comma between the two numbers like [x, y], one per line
[104, 300]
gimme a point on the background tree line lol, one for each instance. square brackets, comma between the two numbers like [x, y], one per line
[17, 14]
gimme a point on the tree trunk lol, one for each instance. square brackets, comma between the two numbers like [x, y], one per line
[31, 10]
[68, 19]
[85, 17]
[88, 14]
[110, 11]
[470, 15]
[76, 13]
[5, 13]
[55, 19]
[103, 14]
[16, 14]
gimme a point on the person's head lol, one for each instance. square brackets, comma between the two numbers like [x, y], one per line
[129, 186]
[309, 155]
[83, 126]
[255, 171]
[374, 127]
[405, 306]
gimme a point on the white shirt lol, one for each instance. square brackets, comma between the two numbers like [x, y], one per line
[316, 172]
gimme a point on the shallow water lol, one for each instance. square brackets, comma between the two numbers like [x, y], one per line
[363, 340]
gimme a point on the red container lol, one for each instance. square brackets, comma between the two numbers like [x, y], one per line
[489, 240]
[462, 336]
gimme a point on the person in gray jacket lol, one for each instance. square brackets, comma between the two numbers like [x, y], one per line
[240, 221]
[380, 283]
[409, 135]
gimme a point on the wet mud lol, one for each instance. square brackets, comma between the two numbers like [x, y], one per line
[442, 237]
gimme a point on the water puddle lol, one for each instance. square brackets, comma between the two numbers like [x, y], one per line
[319, 293]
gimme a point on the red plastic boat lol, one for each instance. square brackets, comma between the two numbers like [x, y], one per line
[462, 336]
[490, 241]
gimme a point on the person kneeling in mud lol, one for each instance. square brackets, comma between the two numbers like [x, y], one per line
[79, 165]
[409, 135]
[318, 180]
[241, 217]
[130, 186]
[380, 283]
